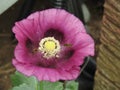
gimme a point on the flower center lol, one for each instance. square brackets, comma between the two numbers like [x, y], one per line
[50, 47]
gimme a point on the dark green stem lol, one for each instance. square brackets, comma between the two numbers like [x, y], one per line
[40, 86]
[64, 85]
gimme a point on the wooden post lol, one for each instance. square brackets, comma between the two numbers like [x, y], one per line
[108, 61]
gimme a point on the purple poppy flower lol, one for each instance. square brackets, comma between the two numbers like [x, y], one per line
[52, 44]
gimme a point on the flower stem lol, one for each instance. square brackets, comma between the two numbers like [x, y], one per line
[40, 86]
[64, 85]
[88, 59]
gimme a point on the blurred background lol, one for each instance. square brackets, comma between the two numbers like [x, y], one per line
[89, 11]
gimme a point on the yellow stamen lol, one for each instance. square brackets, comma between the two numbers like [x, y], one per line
[50, 47]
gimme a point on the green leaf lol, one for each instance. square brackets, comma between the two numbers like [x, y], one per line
[21, 82]
[45, 85]
[18, 79]
[71, 85]
[23, 87]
